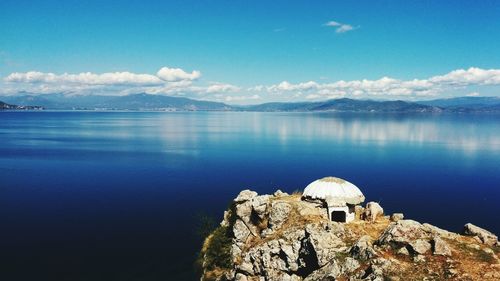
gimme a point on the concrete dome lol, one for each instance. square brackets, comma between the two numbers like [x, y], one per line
[331, 188]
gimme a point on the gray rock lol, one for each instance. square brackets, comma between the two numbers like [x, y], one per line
[440, 247]
[245, 195]
[363, 249]
[419, 258]
[420, 246]
[403, 251]
[246, 267]
[240, 277]
[438, 231]
[350, 265]
[401, 233]
[324, 243]
[244, 211]
[278, 214]
[484, 235]
[328, 272]
[279, 193]
[240, 231]
[397, 217]
[259, 205]
[372, 211]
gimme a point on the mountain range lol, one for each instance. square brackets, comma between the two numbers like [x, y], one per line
[150, 102]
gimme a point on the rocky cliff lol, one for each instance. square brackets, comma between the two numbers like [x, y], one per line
[281, 237]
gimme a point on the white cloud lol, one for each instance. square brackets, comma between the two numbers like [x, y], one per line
[344, 28]
[339, 27]
[221, 87]
[390, 87]
[88, 78]
[333, 23]
[181, 83]
[177, 74]
[470, 76]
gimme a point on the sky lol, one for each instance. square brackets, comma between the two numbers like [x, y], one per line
[244, 52]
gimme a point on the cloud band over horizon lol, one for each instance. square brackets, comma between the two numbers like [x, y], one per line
[178, 82]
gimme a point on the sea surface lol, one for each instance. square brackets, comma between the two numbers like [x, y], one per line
[119, 195]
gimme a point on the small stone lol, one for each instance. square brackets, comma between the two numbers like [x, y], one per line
[397, 216]
[450, 272]
[246, 267]
[473, 246]
[419, 258]
[279, 193]
[403, 251]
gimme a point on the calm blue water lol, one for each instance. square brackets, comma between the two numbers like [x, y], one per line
[115, 195]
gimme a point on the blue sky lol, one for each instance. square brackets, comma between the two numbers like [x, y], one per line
[244, 50]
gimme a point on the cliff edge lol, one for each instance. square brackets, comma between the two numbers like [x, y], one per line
[282, 237]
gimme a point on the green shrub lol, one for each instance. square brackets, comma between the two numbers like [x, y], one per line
[218, 250]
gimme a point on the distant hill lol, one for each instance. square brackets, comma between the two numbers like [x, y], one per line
[345, 104]
[129, 102]
[147, 102]
[466, 104]
[6, 106]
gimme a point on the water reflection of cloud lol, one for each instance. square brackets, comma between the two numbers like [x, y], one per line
[448, 132]
[190, 133]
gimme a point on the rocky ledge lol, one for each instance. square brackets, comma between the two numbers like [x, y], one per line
[281, 237]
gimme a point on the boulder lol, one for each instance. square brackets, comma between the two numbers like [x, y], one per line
[440, 247]
[278, 214]
[436, 231]
[420, 246]
[240, 231]
[401, 233]
[372, 211]
[363, 249]
[324, 243]
[259, 205]
[328, 272]
[308, 209]
[245, 195]
[397, 217]
[244, 211]
[484, 235]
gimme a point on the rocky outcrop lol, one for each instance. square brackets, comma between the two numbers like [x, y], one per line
[484, 235]
[281, 237]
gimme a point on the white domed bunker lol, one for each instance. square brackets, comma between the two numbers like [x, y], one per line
[338, 195]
